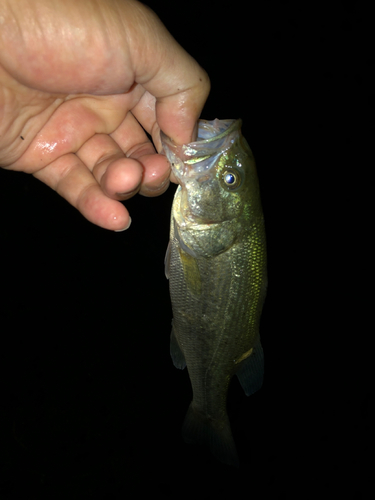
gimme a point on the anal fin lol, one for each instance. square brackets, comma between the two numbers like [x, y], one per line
[251, 370]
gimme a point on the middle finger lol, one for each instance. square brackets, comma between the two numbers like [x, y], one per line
[119, 177]
[133, 140]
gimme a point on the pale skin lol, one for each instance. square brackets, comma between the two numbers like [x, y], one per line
[80, 83]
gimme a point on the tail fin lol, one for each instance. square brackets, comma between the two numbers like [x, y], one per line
[217, 434]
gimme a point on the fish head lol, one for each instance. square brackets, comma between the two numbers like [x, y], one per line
[216, 174]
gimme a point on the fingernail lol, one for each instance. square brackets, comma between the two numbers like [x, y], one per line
[125, 228]
[129, 194]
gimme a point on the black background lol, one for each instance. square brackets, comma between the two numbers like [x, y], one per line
[91, 405]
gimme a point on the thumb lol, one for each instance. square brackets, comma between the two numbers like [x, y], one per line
[179, 84]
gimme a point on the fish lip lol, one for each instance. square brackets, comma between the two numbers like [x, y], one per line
[196, 158]
[191, 149]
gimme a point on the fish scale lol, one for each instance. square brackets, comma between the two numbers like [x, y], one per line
[216, 265]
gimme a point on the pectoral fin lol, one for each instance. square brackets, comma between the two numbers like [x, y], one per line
[191, 272]
[251, 369]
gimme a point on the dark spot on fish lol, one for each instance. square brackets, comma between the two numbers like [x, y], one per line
[22, 137]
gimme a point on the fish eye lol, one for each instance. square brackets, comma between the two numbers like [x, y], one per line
[231, 179]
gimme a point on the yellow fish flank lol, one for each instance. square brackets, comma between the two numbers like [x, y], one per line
[216, 266]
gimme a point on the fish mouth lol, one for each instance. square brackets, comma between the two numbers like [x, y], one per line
[198, 158]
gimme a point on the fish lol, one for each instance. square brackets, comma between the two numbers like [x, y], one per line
[217, 271]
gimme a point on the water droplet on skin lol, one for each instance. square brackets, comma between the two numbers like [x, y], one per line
[46, 146]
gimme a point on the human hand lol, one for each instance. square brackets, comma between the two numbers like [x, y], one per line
[80, 83]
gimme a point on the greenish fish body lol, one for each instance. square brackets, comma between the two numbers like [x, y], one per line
[216, 265]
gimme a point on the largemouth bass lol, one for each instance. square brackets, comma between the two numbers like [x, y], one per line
[216, 265]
